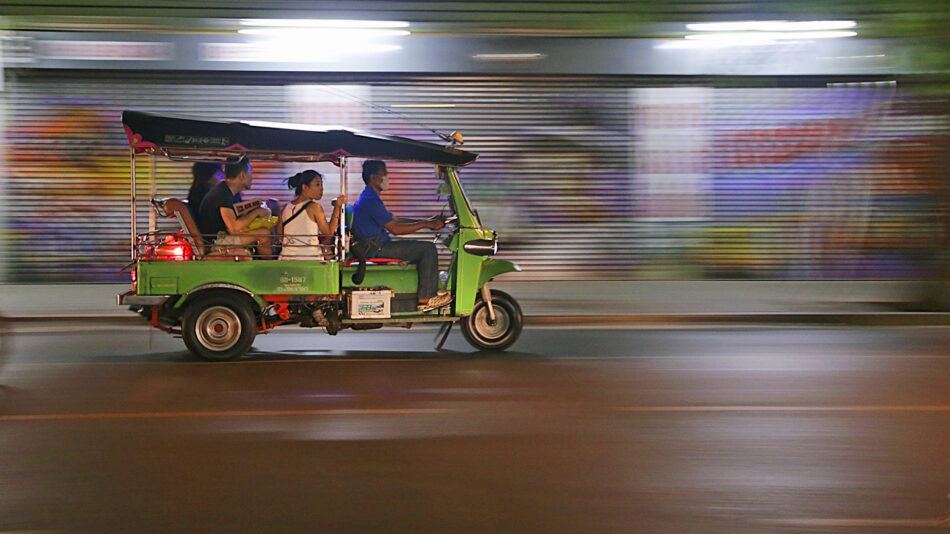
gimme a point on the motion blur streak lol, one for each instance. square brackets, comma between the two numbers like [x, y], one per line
[707, 434]
[593, 178]
[239, 413]
[689, 188]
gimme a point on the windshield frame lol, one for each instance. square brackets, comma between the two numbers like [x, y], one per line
[468, 214]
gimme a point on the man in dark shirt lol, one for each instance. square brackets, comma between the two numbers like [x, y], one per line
[218, 221]
[372, 224]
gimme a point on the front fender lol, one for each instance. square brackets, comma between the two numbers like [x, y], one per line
[492, 268]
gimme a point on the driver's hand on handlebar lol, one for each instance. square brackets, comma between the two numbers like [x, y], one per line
[435, 224]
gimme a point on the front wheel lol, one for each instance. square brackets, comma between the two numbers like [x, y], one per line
[219, 327]
[479, 331]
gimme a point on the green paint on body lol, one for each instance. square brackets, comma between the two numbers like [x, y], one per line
[492, 268]
[399, 278]
[259, 277]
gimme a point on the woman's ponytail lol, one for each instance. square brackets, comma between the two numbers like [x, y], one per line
[297, 181]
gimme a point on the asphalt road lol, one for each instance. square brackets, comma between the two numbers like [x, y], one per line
[594, 430]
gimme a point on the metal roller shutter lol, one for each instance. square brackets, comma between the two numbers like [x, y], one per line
[583, 178]
[67, 182]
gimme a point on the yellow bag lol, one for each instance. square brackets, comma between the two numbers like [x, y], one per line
[261, 222]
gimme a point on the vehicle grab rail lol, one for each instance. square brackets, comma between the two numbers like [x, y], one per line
[179, 246]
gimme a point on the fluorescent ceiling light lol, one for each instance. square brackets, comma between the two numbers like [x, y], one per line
[509, 57]
[681, 44]
[733, 38]
[324, 23]
[324, 33]
[772, 26]
[768, 36]
[321, 41]
[750, 38]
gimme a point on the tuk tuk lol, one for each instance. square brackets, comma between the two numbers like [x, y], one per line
[218, 301]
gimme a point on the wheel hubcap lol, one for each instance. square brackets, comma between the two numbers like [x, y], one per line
[492, 331]
[218, 328]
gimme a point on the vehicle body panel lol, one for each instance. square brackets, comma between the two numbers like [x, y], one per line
[257, 277]
[467, 270]
[401, 278]
[492, 268]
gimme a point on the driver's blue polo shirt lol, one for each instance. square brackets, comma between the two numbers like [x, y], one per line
[370, 216]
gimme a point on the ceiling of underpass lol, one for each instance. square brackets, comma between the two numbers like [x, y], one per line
[916, 20]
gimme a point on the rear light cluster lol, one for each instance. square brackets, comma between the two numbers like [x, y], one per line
[172, 247]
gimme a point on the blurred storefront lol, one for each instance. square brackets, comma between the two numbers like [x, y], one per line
[586, 175]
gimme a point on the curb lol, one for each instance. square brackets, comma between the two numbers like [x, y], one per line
[726, 319]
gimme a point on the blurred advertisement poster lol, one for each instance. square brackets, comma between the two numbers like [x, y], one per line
[671, 143]
[106, 50]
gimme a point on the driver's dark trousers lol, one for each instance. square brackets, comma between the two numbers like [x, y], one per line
[420, 253]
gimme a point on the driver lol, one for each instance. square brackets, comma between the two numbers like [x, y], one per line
[373, 224]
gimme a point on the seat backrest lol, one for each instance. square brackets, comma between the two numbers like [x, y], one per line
[348, 211]
[173, 207]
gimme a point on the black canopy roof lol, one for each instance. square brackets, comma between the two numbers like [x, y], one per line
[190, 137]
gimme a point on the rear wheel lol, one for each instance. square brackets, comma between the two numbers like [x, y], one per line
[482, 334]
[219, 327]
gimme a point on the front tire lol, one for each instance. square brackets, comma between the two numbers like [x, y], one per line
[499, 336]
[219, 327]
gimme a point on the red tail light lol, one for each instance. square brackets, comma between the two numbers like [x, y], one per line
[174, 248]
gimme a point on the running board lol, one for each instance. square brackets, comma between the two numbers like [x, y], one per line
[406, 319]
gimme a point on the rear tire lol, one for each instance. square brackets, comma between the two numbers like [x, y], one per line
[508, 323]
[219, 327]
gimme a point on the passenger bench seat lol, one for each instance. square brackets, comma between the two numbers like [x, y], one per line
[173, 207]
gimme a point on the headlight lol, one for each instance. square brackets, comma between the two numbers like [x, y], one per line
[481, 247]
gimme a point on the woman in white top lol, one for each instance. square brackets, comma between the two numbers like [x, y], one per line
[303, 221]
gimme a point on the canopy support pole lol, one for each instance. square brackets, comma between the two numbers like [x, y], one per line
[152, 189]
[132, 165]
[343, 244]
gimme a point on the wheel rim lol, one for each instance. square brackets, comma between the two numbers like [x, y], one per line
[491, 332]
[218, 328]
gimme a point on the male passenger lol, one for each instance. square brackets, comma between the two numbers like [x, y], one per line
[373, 224]
[217, 217]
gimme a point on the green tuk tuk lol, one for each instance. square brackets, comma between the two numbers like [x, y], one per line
[218, 301]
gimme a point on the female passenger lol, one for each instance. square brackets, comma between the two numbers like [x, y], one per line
[204, 176]
[303, 221]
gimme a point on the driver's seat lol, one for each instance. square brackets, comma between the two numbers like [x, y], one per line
[363, 262]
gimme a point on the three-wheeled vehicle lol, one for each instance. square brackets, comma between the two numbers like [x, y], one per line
[219, 300]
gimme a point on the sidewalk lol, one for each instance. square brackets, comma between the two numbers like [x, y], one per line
[559, 302]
